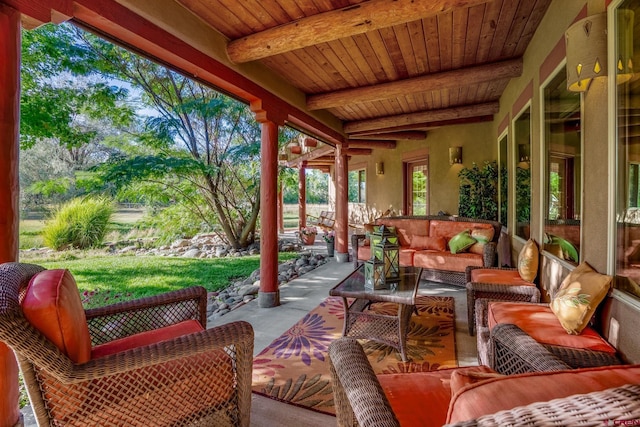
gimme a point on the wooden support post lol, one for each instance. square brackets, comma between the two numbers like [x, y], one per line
[269, 295]
[342, 204]
[302, 195]
[9, 189]
[280, 208]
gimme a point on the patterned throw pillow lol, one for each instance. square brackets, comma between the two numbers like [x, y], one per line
[461, 242]
[483, 236]
[528, 261]
[578, 297]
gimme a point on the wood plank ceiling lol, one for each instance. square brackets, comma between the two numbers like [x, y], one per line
[384, 66]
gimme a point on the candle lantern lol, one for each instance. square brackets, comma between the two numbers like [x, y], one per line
[383, 269]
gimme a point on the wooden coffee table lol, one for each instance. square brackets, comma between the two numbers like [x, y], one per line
[359, 322]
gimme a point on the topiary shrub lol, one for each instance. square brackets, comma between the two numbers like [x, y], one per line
[79, 223]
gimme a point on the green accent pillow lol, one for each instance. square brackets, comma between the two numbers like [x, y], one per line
[461, 242]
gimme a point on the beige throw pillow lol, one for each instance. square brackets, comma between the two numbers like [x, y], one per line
[528, 261]
[482, 236]
[578, 297]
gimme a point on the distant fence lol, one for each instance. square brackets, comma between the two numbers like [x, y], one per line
[130, 206]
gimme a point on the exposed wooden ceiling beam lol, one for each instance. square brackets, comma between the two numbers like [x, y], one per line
[353, 151]
[423, 117]
[389, 136]
[372, 144]
[336, 24]
[438, 81]
[427, 126]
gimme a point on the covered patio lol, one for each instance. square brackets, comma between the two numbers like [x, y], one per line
[390, 89]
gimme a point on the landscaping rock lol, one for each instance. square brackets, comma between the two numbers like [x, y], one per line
[191, 253]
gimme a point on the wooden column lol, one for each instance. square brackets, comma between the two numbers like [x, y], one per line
[280, 208]
[269, 295]
[9, 189]
[342, 204]
[302, 195]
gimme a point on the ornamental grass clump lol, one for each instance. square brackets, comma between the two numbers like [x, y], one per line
[79, 223]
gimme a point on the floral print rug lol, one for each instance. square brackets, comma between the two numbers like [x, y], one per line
[295, 367]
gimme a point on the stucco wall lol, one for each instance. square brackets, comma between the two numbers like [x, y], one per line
[383, 191]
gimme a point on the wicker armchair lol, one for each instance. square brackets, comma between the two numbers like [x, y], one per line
[509, 350]
[495, 292]
[360, 400]
[515, 352]
[203, 378]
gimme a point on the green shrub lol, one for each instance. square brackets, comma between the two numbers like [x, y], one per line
[79, 223]
[174, 222]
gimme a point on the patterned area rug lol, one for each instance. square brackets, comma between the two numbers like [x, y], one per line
[295, 367]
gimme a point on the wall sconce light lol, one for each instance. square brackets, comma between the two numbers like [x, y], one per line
[379, 168]
[586, 43]
[455, 155]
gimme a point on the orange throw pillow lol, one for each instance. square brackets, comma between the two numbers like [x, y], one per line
[578, 297]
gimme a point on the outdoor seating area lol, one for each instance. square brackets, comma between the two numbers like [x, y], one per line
[410, 212]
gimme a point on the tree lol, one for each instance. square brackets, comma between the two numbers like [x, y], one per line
[66, 111]
[205, 145]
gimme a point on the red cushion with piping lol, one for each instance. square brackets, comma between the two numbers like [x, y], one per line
[52, 305]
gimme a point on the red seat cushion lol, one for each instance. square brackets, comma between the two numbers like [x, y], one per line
[145, 338]
[503, 277]
[53, 306]
[420, 398]
[446, 260]
[493, 395]
[542, 325]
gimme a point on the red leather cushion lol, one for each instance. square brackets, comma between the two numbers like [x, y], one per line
[504, 277]
[145, 338]
[493, 395]
[406, 228]
[446, 260]
[461, 378]
[427, 242]
[543, 326]
[52, 305]
[448, 229]
[420, 398]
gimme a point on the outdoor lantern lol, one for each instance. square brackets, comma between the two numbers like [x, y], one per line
[374, 274]
[383, 268]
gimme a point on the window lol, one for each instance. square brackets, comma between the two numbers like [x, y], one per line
[522, 146]
[627, 53]
[563, 180]
[503, 179]
[358, 186]
[417, 185]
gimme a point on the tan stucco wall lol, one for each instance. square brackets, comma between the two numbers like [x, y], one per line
[385, 191]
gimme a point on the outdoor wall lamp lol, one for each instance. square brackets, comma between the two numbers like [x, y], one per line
[455, 155]
[379, 168]
[586, 43]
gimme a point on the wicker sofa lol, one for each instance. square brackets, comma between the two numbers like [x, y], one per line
[476, 395]
[440, 264]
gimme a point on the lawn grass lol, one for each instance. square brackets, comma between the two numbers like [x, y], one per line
[106, 280]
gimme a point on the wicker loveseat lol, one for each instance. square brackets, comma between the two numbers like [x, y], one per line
[477, 396]
[137, 363]
[424, 242]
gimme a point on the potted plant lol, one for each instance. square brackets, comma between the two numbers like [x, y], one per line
[308, 234]
[330, 238]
